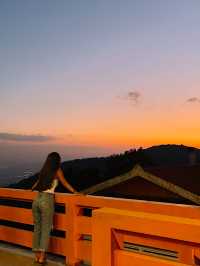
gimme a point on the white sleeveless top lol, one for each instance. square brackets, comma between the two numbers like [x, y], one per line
[53, 186]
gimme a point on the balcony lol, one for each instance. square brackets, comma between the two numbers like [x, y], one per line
[102, 231]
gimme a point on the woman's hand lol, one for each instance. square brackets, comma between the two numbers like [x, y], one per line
[77, 193]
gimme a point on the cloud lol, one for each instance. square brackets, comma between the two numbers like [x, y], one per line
[193, 100]
[132, 96]
[21, 138]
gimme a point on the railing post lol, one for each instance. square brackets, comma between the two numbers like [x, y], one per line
[101, 241]
[71, 234]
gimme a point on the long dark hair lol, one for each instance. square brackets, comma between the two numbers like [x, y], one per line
[48, 171]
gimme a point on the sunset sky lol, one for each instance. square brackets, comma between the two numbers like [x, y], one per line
[106, 75]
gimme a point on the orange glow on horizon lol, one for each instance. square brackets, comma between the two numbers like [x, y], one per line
[125, 141]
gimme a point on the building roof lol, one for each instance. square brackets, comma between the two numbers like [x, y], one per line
[163, 183]
[187, 177]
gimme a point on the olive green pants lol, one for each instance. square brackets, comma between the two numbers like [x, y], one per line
[43, 210]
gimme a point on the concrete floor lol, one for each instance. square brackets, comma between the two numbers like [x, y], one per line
[16, 256]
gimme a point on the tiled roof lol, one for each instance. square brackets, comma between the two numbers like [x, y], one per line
[187, 177]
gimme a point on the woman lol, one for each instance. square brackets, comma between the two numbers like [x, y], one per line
[43, 205]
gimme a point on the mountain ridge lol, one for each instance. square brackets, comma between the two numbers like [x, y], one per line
[82, 173]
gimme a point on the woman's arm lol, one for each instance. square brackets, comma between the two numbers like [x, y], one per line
[64, 182]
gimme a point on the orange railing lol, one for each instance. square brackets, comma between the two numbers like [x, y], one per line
[119, 232]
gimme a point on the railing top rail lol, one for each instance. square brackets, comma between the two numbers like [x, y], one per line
[23, 194]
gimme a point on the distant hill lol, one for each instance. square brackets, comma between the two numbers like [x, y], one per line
[172, 154]
[83, 173]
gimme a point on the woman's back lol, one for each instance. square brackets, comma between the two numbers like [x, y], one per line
[54, 184]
